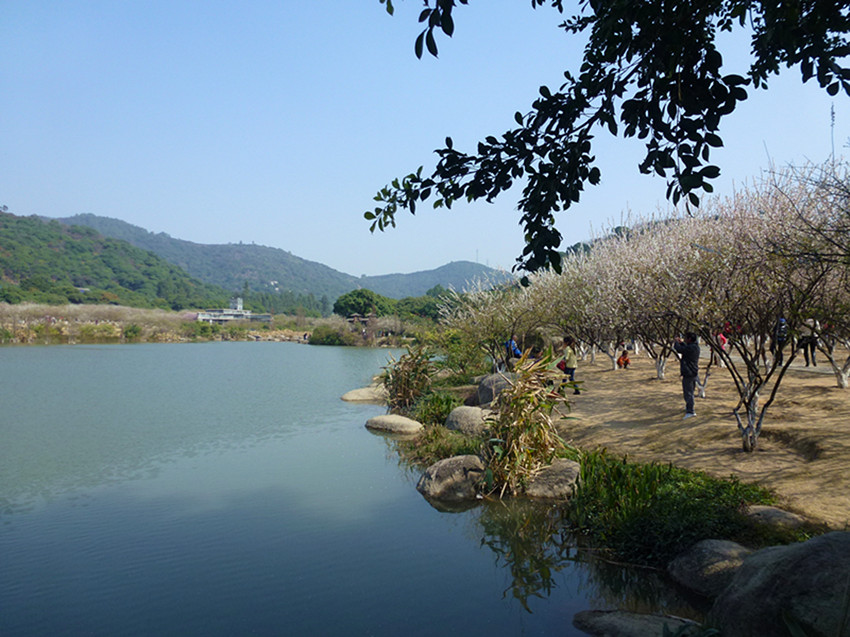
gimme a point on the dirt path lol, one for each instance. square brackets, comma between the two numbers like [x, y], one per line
[803, 453]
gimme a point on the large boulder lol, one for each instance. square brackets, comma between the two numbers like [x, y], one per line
[772, 516]
[467, 420]
[555, 482]
[492, 385]
[802, 585]
[372, 394]
[708, 566]
[620, 623]
[394, 424]
[452, 479]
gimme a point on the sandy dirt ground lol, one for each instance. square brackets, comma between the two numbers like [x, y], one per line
[803, 452]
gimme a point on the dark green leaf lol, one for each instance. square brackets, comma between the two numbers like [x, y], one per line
[448, 24]
[431, 43]
[713, 140]
[710, 172]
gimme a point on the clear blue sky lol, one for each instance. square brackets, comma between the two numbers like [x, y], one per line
[275, 122]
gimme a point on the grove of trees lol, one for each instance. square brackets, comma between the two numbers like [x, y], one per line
[364, 302]
[775, 249]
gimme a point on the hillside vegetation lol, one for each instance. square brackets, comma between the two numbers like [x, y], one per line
[56, 264]
[272, 271]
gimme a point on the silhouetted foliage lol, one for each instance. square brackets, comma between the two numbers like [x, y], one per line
[651, 70]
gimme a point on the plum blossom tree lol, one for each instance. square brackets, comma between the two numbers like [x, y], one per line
[815, 231]
[652, 270]
[582, 301]
[716, 271]
[745, 287]
[488, 316]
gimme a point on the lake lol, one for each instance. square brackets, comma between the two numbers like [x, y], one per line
[225, 489]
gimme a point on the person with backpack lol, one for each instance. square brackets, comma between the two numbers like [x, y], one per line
[780, 337]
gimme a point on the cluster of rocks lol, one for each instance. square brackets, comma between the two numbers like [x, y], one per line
[799, 589]
[279, 336]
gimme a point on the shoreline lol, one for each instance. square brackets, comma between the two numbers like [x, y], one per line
[35, 324]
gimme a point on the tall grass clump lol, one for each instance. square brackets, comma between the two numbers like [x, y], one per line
[649, 513]
[523, 437]
[408, 378]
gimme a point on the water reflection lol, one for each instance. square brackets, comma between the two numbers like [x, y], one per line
[532, 542]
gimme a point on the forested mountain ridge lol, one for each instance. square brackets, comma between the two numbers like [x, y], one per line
[50, 262]
[272, 270]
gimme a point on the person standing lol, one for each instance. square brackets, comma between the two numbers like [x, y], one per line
[512, 351]
[688, 351]
[570, 361]
[809, 340]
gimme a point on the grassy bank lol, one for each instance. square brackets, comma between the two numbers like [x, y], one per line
[27, 323]
[39, 324]
[642, 513]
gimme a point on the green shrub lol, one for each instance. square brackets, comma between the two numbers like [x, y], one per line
[100, 332]
[433, 408]
[132, 332]
[462, 358]
[327, 335]
[437, 443]
[649, 513]
[199, 329]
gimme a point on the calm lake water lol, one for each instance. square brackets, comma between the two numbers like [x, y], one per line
[225, 489]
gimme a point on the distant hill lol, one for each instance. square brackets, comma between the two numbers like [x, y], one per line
[48, 262]
[268, 269]
[457, 274]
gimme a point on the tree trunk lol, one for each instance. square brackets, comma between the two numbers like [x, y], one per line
[660, 367]
[842, 372]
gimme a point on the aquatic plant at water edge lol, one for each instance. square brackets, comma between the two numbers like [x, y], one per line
[523, 437]
[408, 378]
[433, 408]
